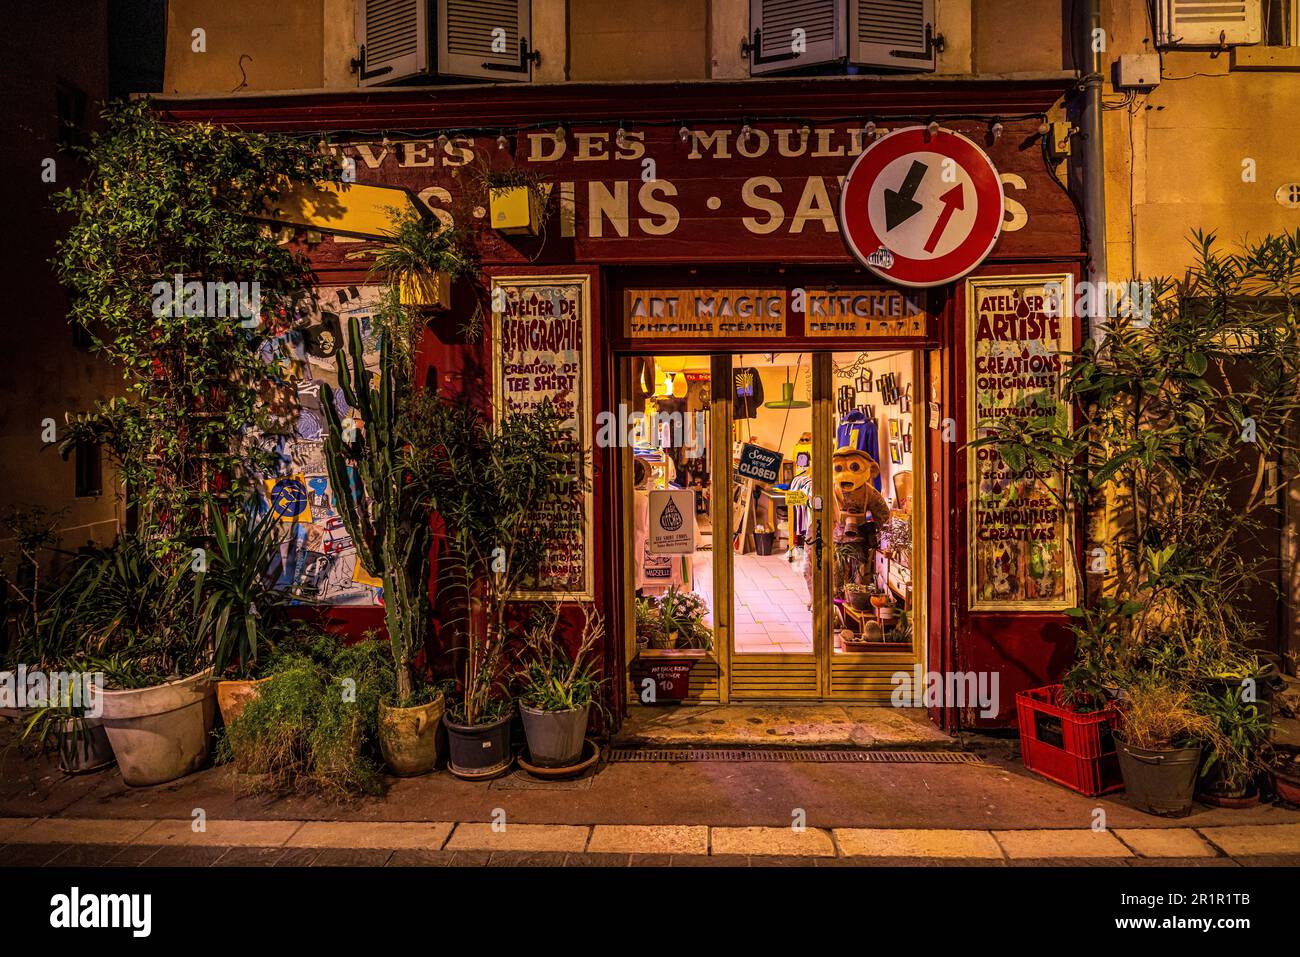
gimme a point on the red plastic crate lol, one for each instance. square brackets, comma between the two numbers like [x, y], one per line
[1070, 748]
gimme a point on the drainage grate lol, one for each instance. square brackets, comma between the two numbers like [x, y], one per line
[797, 755]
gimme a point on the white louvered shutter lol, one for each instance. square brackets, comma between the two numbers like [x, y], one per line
[1209, 23]
[394, 38]
[776, 43]
[892, 34]
[481, 39]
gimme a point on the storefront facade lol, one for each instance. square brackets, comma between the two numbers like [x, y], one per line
[698, 227]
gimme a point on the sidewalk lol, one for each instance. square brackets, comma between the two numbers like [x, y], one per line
[983, 808]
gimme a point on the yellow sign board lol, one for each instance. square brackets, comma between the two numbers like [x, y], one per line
[349, 209]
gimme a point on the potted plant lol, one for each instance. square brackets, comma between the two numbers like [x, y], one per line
[1232, 766]
[69, 717]
[671, 619]
[649, 623]
[764, 539]
[488, 481]
[26, 598]
[300, 734]
[421, 258]
[1171, 412]
[1284, 769]
[1160, 739]
[133, 616]
[558, 691]
[388, 519]
[516, 199]
[241, 609]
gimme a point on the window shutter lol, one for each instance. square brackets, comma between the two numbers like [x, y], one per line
[1208, 23]
[892, 34]
[394, 40]
[774, 45]
[486, 39]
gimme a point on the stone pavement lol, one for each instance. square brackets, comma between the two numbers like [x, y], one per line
[89, 842]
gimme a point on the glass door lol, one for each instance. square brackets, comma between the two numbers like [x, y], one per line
[778, 628]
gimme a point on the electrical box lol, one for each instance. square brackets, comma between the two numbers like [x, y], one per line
[1135, 71]
[1058, 139]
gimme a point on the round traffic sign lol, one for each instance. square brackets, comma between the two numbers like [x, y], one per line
[920, 209]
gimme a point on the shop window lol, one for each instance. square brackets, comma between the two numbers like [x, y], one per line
[413, 40]
[88, 470]
[835, 36]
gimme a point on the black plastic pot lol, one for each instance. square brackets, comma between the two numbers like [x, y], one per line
[476, 752]
[1159, 782]
[763, 542]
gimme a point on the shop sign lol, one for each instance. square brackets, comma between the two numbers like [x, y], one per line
[704, 313]
[1019, 336]
[759, 464]
[864, 313]
[541, 349]
[672, 522]
[921, 208]
[762, 313]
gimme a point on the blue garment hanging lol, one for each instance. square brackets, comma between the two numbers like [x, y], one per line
[856, 431]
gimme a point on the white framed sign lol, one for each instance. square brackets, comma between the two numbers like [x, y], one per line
[541, 349]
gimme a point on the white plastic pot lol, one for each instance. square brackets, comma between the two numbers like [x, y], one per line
[160, 734]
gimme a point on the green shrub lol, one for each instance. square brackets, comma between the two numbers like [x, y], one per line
[314, 725]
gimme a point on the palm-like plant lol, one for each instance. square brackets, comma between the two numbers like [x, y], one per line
[240, 603]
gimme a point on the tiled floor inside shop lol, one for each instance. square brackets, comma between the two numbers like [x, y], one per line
[772, 612]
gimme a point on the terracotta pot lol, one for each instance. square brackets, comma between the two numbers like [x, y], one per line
[233, 695]
[408, 737]
[879, 601]
[161, 733]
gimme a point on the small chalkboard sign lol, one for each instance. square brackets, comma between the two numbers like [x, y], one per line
[759, 464]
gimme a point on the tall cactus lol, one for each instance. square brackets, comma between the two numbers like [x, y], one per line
[380, 507]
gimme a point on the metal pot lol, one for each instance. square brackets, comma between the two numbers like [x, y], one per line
[555, 737]
[83, 746]
[1159, 782]
[478, 751]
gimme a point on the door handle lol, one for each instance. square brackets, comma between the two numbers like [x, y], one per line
[816, 543]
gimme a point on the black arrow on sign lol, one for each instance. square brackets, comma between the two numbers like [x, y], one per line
[899, 204]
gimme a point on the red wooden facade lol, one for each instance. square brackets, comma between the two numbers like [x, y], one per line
[711, 213]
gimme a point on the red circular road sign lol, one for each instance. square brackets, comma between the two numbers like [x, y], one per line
[921, 209]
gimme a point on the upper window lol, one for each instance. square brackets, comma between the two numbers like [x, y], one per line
[804, 35]
[477, 39]
[1224, 23]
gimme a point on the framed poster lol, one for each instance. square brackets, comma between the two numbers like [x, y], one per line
[1019, 339]
[541, 349]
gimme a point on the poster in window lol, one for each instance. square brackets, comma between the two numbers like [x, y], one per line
[1019, 339]
[541, 349]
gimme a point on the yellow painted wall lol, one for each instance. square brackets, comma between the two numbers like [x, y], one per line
[309, 44]
[1190, 137]
[664, 40]
[253, 45]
